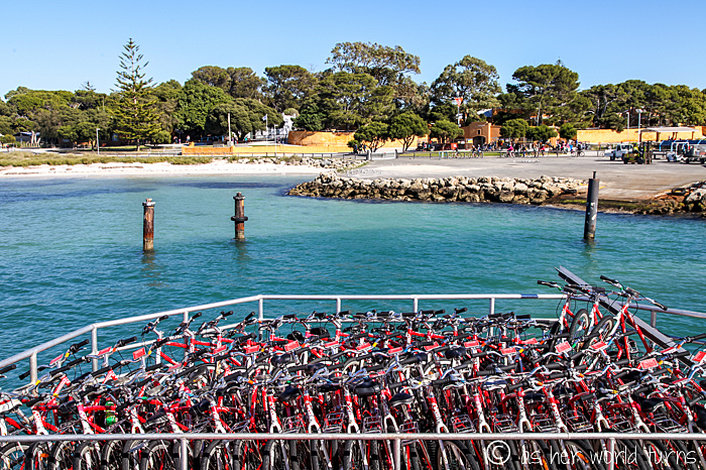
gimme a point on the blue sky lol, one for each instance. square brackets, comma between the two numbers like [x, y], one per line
[61, 45]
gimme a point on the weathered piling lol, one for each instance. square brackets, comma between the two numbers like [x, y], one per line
[148, 225]
[589, 225]
[239, 217]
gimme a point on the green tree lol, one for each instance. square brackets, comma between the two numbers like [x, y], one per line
[134, 113]
[567, 131]
[406, 127]
[471, 79]
[288, 86]
[194, 104]
[246, 116]
[514, 129]
[311, 118]
[544, 89]
[445, 131]
[349, 100]
[167, 95]
[373, 135]
[238, 82]
[388, 65]
[541, 133]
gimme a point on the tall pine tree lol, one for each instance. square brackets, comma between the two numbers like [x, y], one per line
[134, 112]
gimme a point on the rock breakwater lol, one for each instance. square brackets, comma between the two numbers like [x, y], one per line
[451, 189]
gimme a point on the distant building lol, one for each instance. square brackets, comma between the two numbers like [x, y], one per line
[31, 138]
[480, 133]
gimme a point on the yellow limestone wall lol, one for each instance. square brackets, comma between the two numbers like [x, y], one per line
[609, 136]
[336, 140]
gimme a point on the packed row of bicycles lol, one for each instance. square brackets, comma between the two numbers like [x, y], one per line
[594, 369]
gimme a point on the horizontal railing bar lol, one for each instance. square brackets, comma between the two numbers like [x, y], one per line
[413, 296]
[141, 318]
[569, 436]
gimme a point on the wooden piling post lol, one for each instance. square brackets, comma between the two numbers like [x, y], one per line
[148, 225]
[239, 217]
[589, 226]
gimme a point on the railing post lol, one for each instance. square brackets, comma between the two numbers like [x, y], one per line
[338, 305]
[491, 310]
[653, 318]
[184, 454]
[94, 347]
[415, 305]
[611, 454]
[33, 368]
[261, 308]
[397, 454]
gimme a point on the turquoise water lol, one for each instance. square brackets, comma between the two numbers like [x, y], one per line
[70, 251]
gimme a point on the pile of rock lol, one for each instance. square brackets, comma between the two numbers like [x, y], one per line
[450, 189]
[326, 163]
[685, 199]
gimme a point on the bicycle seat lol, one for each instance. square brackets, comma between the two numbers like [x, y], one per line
[367, 389]
[282, 359]
[401, 398]
[455, 353]
[320, 332]
[289, 394]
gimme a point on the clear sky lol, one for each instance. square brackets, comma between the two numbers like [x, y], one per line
[63, 44]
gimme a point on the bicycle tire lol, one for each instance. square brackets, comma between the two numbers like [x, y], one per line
[61, 455]
[37, 456]
[87, 456]
[579, 325]
[247, 455]
[600, 331]
[159, 455]
[456, 455]
[12, 456]
[217, 456]
[353, 456]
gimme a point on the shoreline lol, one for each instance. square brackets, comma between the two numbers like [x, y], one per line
[159, 169]
[545, 191]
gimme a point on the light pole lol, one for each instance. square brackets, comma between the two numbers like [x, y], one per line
[98, 144]
[639, 123]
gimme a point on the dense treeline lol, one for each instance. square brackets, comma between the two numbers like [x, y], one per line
[368, 88]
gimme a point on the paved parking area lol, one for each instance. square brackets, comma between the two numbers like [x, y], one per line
[618, 181]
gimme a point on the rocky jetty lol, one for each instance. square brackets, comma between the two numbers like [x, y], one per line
[450, 189]
[689, 199]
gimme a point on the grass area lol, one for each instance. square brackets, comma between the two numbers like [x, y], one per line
[24, 159]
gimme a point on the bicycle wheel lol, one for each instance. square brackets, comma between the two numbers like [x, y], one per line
[455, 456]
[12, 456]
[37, 456]
[87, 456]
[247, 455]
[353, 455]
[601, 331]
[275, 456]
[111, 455]
[217, 456]
[61, 455]
[579, 325]
[159, 455]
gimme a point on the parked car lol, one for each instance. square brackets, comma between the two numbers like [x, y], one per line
[620, 151]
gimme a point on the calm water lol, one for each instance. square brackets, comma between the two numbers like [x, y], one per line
[70, 251]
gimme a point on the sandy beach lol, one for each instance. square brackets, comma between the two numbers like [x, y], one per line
[216, 167]
[619, 182]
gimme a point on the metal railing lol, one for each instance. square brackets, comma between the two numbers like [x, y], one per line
[260, 300]
[610, 438]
